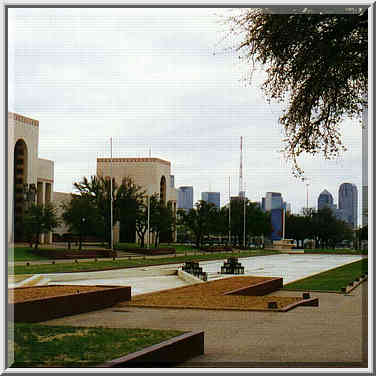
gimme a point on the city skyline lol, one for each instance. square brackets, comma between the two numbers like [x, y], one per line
[157, 79]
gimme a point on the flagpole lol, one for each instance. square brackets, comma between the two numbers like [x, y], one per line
[229, 212]
[244, 212]
[111, 215]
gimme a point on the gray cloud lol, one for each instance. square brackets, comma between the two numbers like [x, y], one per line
[149, 78]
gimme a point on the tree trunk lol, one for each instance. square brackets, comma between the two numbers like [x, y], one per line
[37, 241]
[80, 242]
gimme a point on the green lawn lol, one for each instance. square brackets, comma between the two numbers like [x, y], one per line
[24, 254]
[125, 263]
[38, 345]
[332, 280]
[337, 251]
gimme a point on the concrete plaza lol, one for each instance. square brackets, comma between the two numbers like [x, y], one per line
[331, 335]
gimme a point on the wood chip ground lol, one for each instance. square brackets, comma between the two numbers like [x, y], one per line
[17, 295]
[209, 295]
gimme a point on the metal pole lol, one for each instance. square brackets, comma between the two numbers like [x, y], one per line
[307, 197]
[229, 212]
[111, 227]
[148, 220]
[284, 218]
[244, 205]
[244, 221]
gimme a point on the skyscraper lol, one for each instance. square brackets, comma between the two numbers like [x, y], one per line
[365, 166]
[185, 198]
[273, 200]
[213, 197]
[348, 202]
[325, 200]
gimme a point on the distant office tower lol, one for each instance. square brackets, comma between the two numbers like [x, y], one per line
[272, 200]
[365, 166]
[348, 202]
[262, 205]
[325, 200]
[185, 198]
[213, 197]
[276, 219]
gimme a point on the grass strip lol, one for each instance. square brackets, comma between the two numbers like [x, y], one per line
[125, 263]
[337, 251]
[331, 280]
[38, 345]
[24, 254]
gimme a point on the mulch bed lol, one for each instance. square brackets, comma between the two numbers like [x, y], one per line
[209, 295]
[34, 293]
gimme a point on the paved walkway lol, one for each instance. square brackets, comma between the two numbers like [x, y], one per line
[331, 335]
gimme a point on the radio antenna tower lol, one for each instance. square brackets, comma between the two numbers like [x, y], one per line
[241, 168]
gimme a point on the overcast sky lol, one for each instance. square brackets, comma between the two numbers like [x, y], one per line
[159, 79]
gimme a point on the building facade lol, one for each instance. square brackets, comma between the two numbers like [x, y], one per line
[185, 198]
[365, 166]
[348, 203]
[273, 200]
[325, 199]
[212, 197]
[152, 174]
[30, 179]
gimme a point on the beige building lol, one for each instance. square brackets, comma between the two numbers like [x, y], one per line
[59, 199]
[30, 179]
[152, 174]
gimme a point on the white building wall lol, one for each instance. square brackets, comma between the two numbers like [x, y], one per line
[37, 170]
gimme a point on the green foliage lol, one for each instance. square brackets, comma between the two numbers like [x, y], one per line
[332, 280]
[256, 221]
[39, 219]
[82, 216]
[321, 225]
[316, 65]
[126, 200]
[200, 220]
[297, 227]
[38, 345]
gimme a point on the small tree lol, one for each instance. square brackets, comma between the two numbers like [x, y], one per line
[161, 218]
[82, 216]
[200, 220]
[39, 219]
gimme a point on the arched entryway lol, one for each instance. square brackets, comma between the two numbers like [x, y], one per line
[20, 178]
[162, 193]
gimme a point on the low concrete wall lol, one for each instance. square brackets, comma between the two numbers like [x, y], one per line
[166, 353]
[190, 278]
[59, 306]
[259, 289]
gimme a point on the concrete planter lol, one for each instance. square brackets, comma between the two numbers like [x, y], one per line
[259, 289]
[65, 305]
[166, 353]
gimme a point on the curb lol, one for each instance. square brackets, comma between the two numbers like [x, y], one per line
[169, 352]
